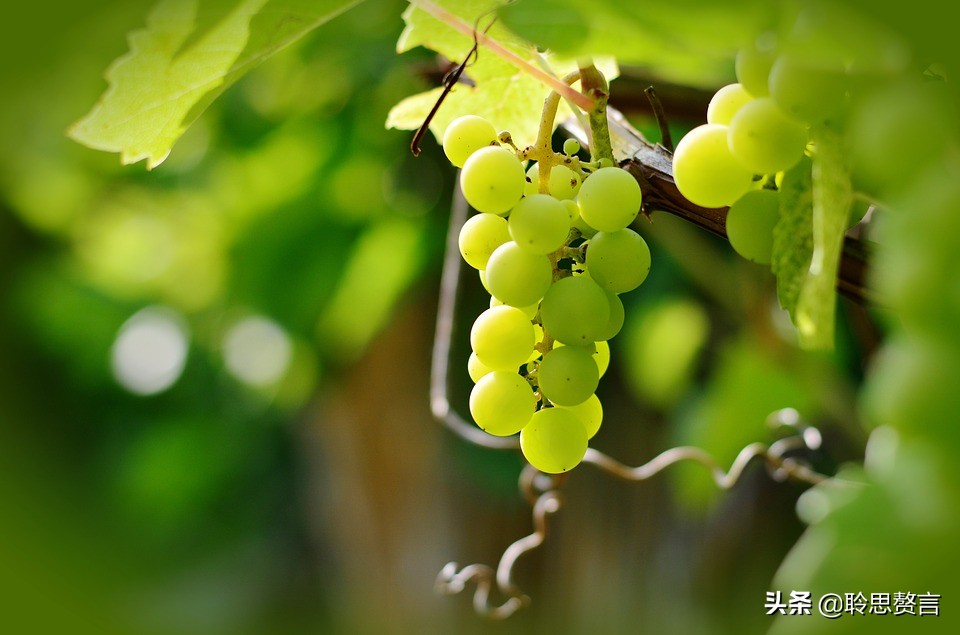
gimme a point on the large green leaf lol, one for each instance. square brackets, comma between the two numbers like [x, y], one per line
[188, 54]
[684, 41]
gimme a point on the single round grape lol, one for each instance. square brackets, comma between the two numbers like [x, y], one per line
[763, 139]
[475, 368]
[615, 321]
[465, 135]
[516, 276]
[564, 182]
[571, 147]
[753, 65]
[530, 310]
[590, 412]
[618, 261]
[704, 170]
[609, 199]
[492, 180]
[483, 280]
[502, 403]
[554, 441]
[573, 210]
[575, 310]
[806, 92]
[726, 102]
[750, 223]
[568, 375]
[479, 236]
[502, 338]
[539, 224]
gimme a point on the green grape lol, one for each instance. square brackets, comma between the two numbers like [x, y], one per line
[502, 403]
[476, 369]
[539, 224]
[609, 199]
[590, 412]
[502, 338]
[537, 337]
[726, 102]
[704, 170]
[618, 261]
[575, 310]
[753, 65]
[764, 139]
[602, 357]
[571, 147]
[564, 182]
[573, 210]
[530, 310]
[585, 230]
[615, 322]
[492, 180]
[568, 375]
[750, 223]
[554, 441]
[479, 236]
[516, 276]
[805, 92]
[465, 135]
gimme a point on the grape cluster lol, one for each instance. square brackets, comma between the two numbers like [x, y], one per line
[554, 255]
[756, 130]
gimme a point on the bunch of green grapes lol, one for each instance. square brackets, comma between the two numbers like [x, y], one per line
[759, 128]
[554, 253]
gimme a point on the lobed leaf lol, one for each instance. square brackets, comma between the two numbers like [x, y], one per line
[188, 54]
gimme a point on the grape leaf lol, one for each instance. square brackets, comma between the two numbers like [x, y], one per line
[689, 42]
[188, 54]
[508, 98]
[832, 196]
[793, 235]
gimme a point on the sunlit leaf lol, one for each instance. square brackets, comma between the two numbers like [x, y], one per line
[188, 54]
[793, 235]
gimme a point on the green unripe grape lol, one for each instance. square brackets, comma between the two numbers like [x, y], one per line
[476, 369]
[805, 92]
[568, 375]
[492, 180]
[502, 338]
[615, 322]
[575, 310]
[750, 224]
[609, 199]
[571, 147]
[704, 170]
[502, 403]
[564, 182]
[539, 224]
[763, 139]
[516, 276]
[618, 261]
[554, 441]
[573, 210]
[726, 102]
[465, 135]
[753, 65]
[590, 413]
[530, 310]
[480, 236]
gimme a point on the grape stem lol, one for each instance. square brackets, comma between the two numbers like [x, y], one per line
[594, 84]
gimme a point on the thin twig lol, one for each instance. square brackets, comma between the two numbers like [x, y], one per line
[665, 139]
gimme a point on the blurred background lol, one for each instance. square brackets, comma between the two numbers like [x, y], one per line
[214, 375]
